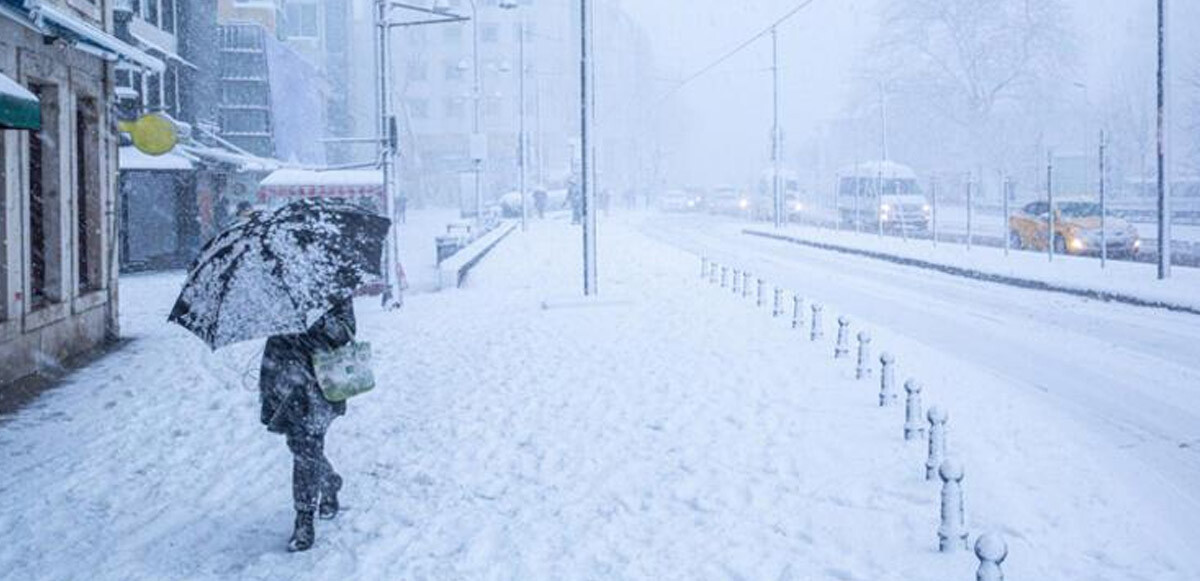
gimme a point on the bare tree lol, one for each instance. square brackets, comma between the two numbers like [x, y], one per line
[966, 61]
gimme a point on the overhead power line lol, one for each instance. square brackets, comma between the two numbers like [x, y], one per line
[732, 53]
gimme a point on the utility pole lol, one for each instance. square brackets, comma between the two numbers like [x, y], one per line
[585, 153]
[521, 147]
[479, 143]
[386, 148]
[1164, 202]
[777, 196]
[1103, 207]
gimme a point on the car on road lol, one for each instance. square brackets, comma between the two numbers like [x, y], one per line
[1076, 229]
[679, 201]
[731, 201]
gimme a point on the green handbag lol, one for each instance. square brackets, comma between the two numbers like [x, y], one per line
[344, 372]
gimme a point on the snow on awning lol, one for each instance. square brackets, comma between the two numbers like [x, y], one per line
[311, 183]
[164, 52]
[19, 108]
[52, 20]
[243, 162]
[133, 160]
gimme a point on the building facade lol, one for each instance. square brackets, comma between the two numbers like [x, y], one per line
[58, 282]
[436, 101]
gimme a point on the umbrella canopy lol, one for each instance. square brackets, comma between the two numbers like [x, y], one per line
[19, 108]
[277, 273]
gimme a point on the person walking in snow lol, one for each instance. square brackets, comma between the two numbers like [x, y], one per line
[293, 405]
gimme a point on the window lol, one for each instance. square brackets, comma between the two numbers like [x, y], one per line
[170, 90]
[418, 108]
[45, 266]
[150, 11]
[454, 72]
[452, 34]
[418, 71]
[301, 19]
[489, 33]
[153, 94]
[88, 221]
[454, 108]
[168, 15]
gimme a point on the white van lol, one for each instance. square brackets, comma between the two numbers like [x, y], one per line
[882, 193]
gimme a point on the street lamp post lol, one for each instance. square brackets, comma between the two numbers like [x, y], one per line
[477, 142]
[585, 114]
[521, 147]
[387, 140]
[1164, 199]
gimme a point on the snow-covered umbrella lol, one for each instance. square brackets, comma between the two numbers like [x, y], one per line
[278, 272]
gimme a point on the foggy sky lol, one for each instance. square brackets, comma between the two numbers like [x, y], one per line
[726, 114]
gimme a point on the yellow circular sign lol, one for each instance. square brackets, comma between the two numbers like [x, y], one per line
[152, 134]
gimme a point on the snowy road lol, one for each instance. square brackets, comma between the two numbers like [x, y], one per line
[1131, 374]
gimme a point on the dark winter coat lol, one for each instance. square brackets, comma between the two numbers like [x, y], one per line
[292, 402]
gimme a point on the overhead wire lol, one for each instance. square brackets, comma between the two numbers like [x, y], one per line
[732, 53]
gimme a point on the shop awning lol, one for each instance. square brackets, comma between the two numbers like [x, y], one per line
[19, 109]
[89, 37]
[130, 159]
[151, 46]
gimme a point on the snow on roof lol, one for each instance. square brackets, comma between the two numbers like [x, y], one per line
[304, 177]
[888, 169]
[244, 161]
[132, 159]
[11, 88]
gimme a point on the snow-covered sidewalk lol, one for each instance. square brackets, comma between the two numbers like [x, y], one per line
[671, 431]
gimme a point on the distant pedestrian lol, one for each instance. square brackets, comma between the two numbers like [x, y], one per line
[575, 198]
[293, 405]
[539, 202]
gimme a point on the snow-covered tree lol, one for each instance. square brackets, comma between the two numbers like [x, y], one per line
[979, 66]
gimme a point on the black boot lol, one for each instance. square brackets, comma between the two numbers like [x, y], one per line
[303, 536]
[329, 498]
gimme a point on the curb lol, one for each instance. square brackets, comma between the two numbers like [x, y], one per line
[1026, 283]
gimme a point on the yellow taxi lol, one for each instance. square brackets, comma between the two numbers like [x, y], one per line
[1076, 229]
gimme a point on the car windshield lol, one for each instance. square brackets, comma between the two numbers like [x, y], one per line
[1079, 209]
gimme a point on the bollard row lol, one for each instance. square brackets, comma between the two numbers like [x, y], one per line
[990, 549]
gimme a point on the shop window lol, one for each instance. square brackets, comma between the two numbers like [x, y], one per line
[88, 218]
[45, 228]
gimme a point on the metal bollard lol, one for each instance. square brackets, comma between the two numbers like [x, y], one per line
[991, 550]
[952, 534]
[842, 348]
[713, 273]
[703, 267]
[913, 426]
[937, 440]
[797, 311]
[760, 300]
[887, 379]
[737, 276]
[818, 327]
[724, 277]
[864, 355]
[745, 284]
[777, 310]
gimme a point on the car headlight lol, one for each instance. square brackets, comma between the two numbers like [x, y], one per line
[885, 208]
[927, 208]
[1137, 243]
[1077, 244]
[799, 207]
[743, 204]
